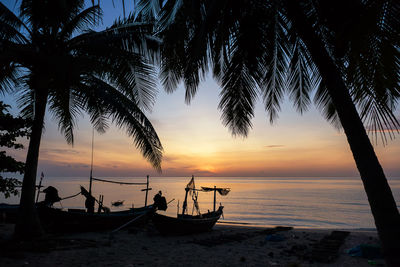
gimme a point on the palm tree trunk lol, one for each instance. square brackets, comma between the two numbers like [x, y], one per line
[28, 224]
[380, 197]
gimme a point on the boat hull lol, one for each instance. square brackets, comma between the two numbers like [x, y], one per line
[186, 224]
[8, 212]
[57, 220]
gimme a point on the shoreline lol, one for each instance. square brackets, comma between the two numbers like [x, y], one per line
[262, 226]
[226, 245]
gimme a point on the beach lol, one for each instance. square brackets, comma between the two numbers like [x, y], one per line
[225, 245]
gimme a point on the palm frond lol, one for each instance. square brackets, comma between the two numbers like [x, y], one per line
[126, 115]
[149, 9]
[324, 103]
[82, 22]
[129, 71]
[168, 13]
[300, 78]
[373, 66]
[9, 74]
[125, 34]
[49, 16]
[65, 110]
[8, 18]
[276, 60]
[25, 101]
[238, 97]
[240, 70]
[173, 55]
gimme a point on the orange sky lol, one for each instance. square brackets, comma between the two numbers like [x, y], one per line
[195, 142]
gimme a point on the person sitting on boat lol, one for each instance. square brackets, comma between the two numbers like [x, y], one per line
[90, 200]
[51, 196]
[160, 202]
[89, 203]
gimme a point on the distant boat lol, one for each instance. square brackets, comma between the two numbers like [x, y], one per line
[188, 224]
[117, 203]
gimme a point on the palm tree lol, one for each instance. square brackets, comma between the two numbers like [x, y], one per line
[51, 58]
[346, 53]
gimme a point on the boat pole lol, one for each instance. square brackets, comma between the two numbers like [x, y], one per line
[185, 202]
[215, 196]
[40, 186]
[91, 166]
[147, 190]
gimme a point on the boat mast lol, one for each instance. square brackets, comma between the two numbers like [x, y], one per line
[147, 190]
[91, 165]
[185, 202]
[215, 195]
[40, 186]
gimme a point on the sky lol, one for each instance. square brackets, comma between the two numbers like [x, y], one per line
[196, 143]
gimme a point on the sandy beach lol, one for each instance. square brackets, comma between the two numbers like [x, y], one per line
[226, 245]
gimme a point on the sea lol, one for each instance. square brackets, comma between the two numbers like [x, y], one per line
[333, 203]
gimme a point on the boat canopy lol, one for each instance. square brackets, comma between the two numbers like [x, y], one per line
[221, 191]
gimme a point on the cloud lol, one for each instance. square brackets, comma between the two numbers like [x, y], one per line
[75, 165]
[171, 158]
[59, 151]
[274, 146]
[203, 172]
[390, 127]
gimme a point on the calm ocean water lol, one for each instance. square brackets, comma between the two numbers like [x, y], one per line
[299, 202]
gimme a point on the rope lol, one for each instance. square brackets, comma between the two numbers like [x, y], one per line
[114, 182]
[128, 223]
[71, 196]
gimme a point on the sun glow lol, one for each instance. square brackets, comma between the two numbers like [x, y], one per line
[195, 142]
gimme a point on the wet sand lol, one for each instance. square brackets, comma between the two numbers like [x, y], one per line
[226, 245]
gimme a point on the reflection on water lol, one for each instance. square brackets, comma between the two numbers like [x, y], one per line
[301, 202]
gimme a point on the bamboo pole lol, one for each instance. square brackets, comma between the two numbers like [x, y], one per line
[40, 185]
[215, 196]
[147, 190]
[91, 165]
[185, 202]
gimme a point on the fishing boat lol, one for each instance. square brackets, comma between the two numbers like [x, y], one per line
[189, 224]
[117, 203]
[78, 220]
[81, 220]
[84, 220]
[8, 212]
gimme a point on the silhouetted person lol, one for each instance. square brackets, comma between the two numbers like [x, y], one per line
[51, 196]
[90, 200]
[157, 197]
[160, 202]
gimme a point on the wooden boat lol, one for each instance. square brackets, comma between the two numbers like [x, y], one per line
[78, 220]
[8, 213]
[117, 203]
[81, 220]
[188, 224]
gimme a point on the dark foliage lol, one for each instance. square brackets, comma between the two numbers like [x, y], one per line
[11, 128]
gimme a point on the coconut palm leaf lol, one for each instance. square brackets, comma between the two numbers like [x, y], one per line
[124, 113]
[83, 21]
